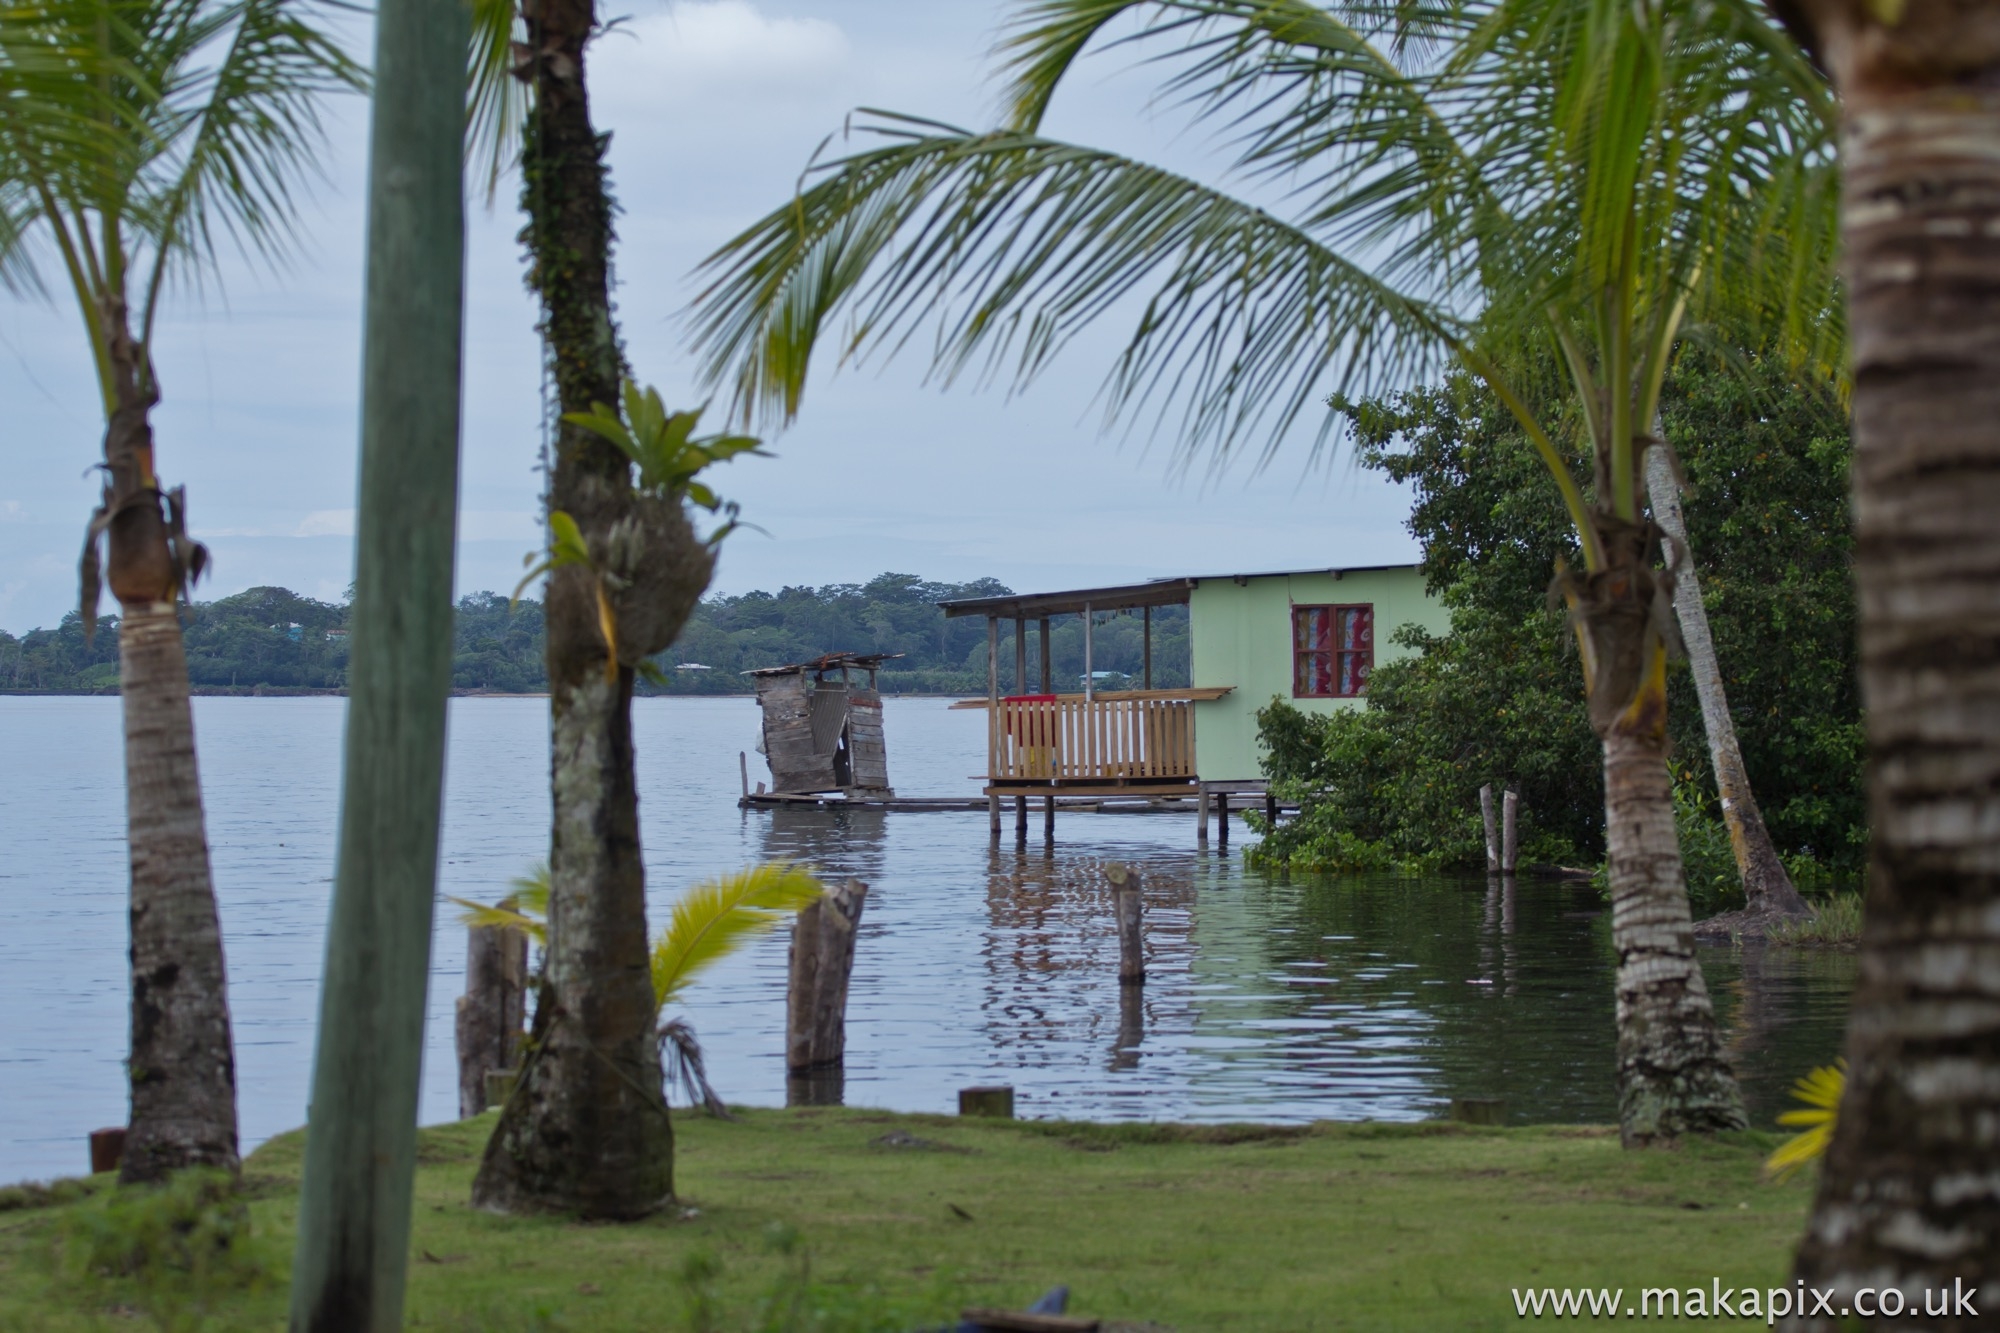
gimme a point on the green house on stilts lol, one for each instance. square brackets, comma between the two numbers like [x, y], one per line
[1309, 636]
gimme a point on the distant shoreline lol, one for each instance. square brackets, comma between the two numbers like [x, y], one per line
[304, 692]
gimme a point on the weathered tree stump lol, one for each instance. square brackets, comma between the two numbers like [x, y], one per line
[822, 960]
[997, 1102]
[491, 1013]
[1126, 907]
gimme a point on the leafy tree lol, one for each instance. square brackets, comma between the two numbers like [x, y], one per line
[1490, 701]
[136, 136]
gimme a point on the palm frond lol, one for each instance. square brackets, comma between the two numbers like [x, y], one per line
[526, 909]
[712, 919]
[1821, 1091]
[232, 142]
[496, 103]
[1009, 244]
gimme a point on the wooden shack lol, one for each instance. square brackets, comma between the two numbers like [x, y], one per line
[823, 726]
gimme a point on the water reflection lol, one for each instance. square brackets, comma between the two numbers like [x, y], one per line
[1265, 998]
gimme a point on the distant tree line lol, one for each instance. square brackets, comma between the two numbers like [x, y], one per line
[270, 640]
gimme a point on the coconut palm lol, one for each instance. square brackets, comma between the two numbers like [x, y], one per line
[708, 923]
[1458, 178]
[1910, 1194]
[587, 1131]
[137, 139]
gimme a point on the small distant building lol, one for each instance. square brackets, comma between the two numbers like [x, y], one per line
[823, 726]
[1311, 637]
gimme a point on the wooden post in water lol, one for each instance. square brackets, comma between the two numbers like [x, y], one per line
[360, 1156]
[743, 767]
[1222, 820]
[1127, 908]
[491, 1013]
[1049, 816]
[1509, 843]
[822, 960]
[1201, 814]
[1486, 815]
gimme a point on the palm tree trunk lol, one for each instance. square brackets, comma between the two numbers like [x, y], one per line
[586, 1130]
[1766, 884]
[1673, 1077]
[1910, 1194]
[182, 1066]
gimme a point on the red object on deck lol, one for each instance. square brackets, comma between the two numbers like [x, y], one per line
[107, 1149]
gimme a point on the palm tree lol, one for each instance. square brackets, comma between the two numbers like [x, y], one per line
[587, 1131]
[136, 136]
[1472, 175]
[1908, 1198]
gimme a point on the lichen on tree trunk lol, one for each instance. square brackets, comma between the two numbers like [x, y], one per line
[1909, 1196]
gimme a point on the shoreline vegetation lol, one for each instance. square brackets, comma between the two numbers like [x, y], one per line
[272, 641]
[852, 1219]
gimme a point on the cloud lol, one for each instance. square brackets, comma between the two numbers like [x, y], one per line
[715, 52]
[11, 511]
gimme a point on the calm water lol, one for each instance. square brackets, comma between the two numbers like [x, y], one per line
[1278, 1000]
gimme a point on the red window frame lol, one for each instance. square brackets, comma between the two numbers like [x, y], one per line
[1333, 650]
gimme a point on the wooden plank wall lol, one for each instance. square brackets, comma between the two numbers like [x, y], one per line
[796, 764]
[867, 748]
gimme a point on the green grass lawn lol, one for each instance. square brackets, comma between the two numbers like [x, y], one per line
[864, 1220]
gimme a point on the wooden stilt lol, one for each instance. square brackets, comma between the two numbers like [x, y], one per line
[1201, 814]
[1020, 816]
[1509, 843]
[1486, 816]
[1049, 817]
[993, 817]
[1222, 821]
[1270, 810]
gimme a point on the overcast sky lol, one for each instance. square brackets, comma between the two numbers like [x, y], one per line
[715, 106]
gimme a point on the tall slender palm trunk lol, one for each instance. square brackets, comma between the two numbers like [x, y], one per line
[586, 1130]
[1766, 884]
[1910, 1194]
[182, 1065]
[1673, 1075]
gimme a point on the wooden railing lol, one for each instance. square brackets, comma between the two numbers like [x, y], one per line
[1067, 738]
